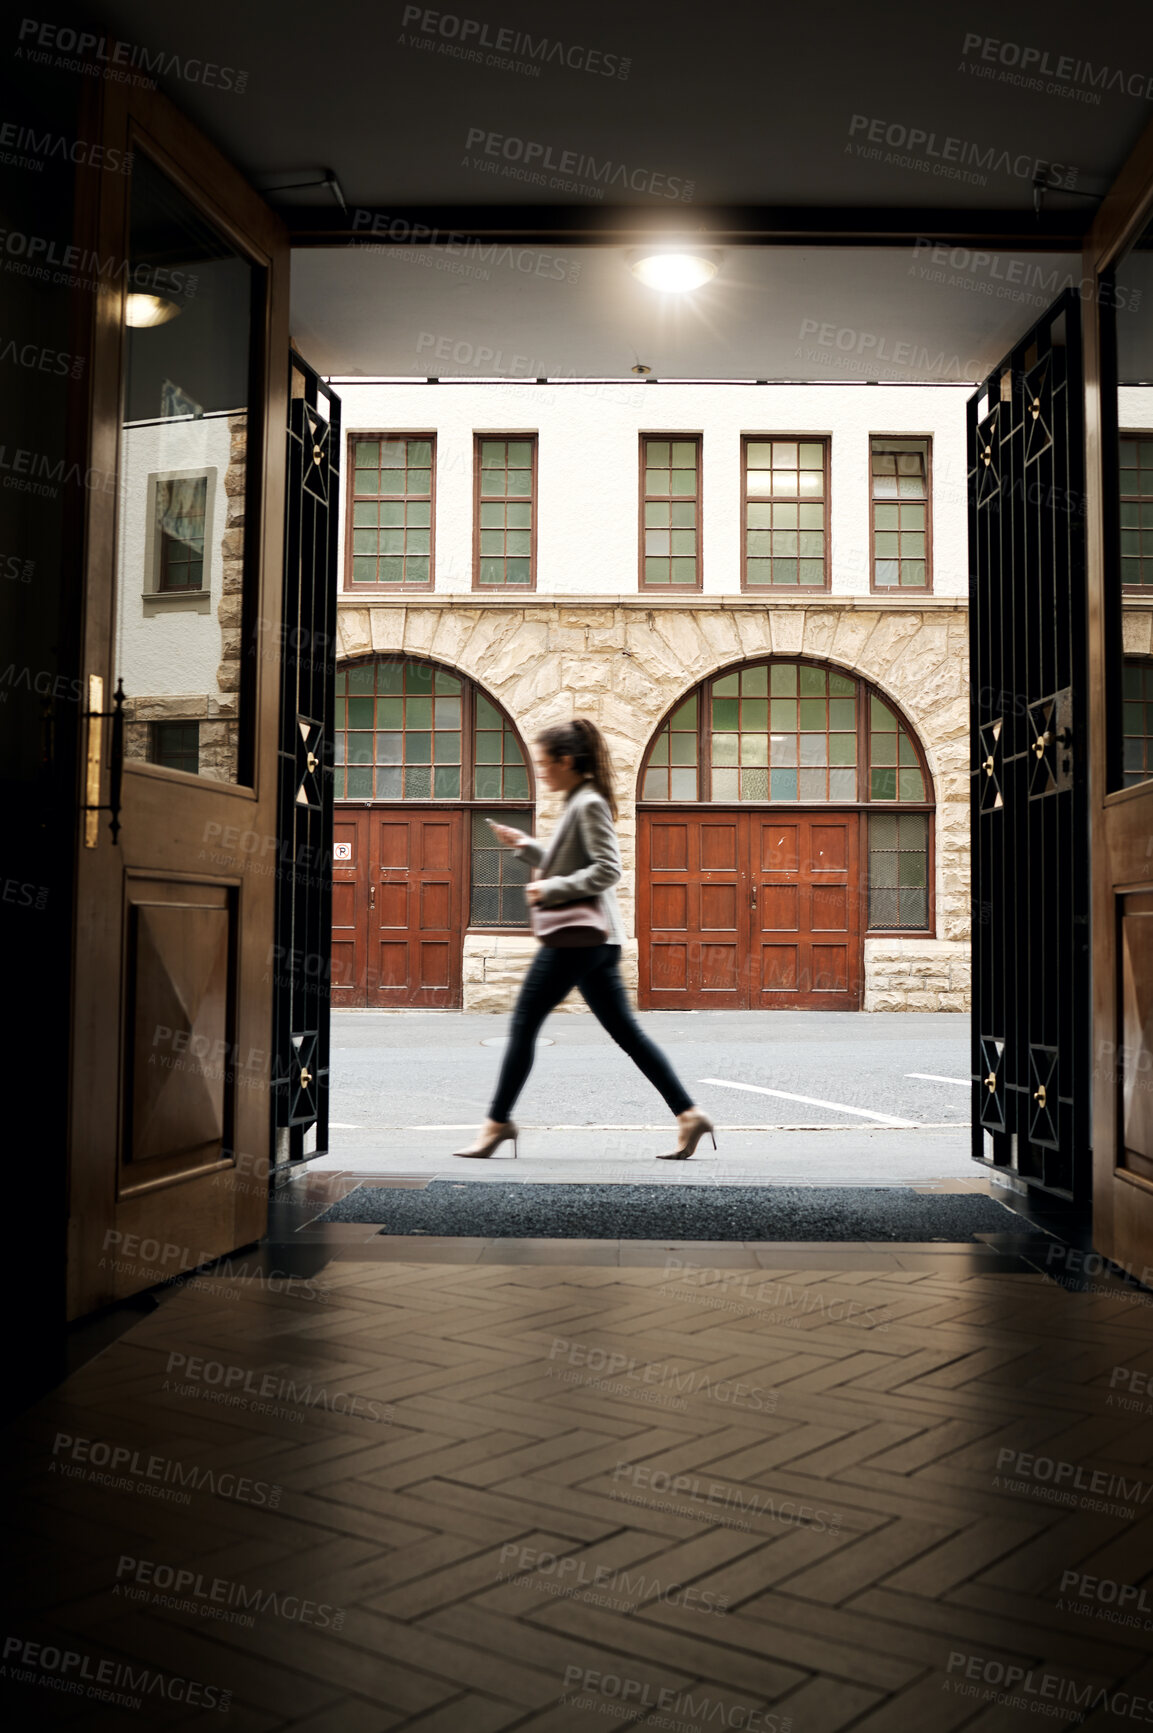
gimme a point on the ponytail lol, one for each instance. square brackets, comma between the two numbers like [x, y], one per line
[583, 742]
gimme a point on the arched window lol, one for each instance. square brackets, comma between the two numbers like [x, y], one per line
[407, 729]
[799, 733]
[412, 731]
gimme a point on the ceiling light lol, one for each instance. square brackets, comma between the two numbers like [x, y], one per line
[141, 311]
[674, 269]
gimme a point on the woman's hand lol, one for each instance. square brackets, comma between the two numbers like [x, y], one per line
[532, 893]
[505, 833]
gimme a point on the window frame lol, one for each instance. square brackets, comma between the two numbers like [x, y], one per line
[865, 690]
[825, 440]
[154, 599]
[1121, 499]
[154, 728]
[1145, 662]
[507, 434]
[348, 587]
[925, 589]
[669, 589]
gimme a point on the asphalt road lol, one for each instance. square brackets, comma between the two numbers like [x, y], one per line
[864, 1095]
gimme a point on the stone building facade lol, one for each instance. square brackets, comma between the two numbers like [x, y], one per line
[589, 638]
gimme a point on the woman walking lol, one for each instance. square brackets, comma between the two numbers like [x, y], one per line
[581, 934]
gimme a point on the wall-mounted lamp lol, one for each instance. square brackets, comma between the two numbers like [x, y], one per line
[141, 311]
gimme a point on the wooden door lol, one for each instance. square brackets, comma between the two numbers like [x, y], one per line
[350, 881]
[692, 916]
[1119, 402]
[415, 908]
[170, 1124]
[805, 906]
[741, 909]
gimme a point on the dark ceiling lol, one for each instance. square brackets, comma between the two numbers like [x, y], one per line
[748, 105]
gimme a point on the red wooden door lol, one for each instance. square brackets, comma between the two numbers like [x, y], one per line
[748, 909]
[349, 906]
[805, 907]
[416, 884]
[692, 916]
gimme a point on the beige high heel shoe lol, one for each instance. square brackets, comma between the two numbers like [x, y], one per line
[486, 1146]
[692, 1130]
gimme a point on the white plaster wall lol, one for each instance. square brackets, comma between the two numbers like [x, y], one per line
[172, 651]
[587, 517]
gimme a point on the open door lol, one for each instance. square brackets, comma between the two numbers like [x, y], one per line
[1031, 1082]
[1119, 409]
[172, 1054]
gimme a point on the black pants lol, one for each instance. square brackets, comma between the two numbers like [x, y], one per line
[596, 971]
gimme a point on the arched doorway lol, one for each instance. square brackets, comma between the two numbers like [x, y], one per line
[422, 758]
[785, 811]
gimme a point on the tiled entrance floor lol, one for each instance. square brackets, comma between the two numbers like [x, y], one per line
[462, 1487]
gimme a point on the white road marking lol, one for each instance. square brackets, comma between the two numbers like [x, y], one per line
[777, 1125]
[811, 1101]
[932, 1077]
[338, 1125]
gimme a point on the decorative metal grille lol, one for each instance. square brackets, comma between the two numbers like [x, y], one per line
[304, 855]
[1031, 1004]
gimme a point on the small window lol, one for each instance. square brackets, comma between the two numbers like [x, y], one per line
[498, 877]
[392, 511]
[1137, 720]
[671, 511]
[786, 513]
[505, 540]
[898, 870]
[181, 507]
[499, 769]
[176, 745]
[1136, 511]
[672, 770]
[900, 513]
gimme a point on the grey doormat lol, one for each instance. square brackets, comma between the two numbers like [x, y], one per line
[674, 1212]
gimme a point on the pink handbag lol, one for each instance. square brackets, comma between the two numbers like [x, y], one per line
[570, 925]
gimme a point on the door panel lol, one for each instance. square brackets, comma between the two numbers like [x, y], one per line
[730, 906]
[174, 978]
[806, 884]
[691, 910]
[349, 907]
[415, 911]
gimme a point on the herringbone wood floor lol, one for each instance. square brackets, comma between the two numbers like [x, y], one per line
[568, 1466]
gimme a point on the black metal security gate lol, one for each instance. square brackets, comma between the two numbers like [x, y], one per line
[307, 648]
[1031, 999]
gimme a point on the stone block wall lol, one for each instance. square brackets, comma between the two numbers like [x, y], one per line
[626, 661]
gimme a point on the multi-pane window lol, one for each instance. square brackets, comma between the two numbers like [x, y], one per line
[498, 877]
[505, 503]
[499, 769]
[399, 732]
[392, 502]
[671, 773]
[671, 507]
[1137, 510]
[786, 500]
[784, 732]
[406, 730]
[176, 745]
[181, 506]
[900, 507]
[894, 767]
[1137, 719]
[794, 731]
[899, 869]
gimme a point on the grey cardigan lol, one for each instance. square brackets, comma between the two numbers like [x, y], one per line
[581, 859]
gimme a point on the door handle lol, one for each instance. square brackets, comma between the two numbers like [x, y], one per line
[96, 716]
[372, 896]
[753, 897]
